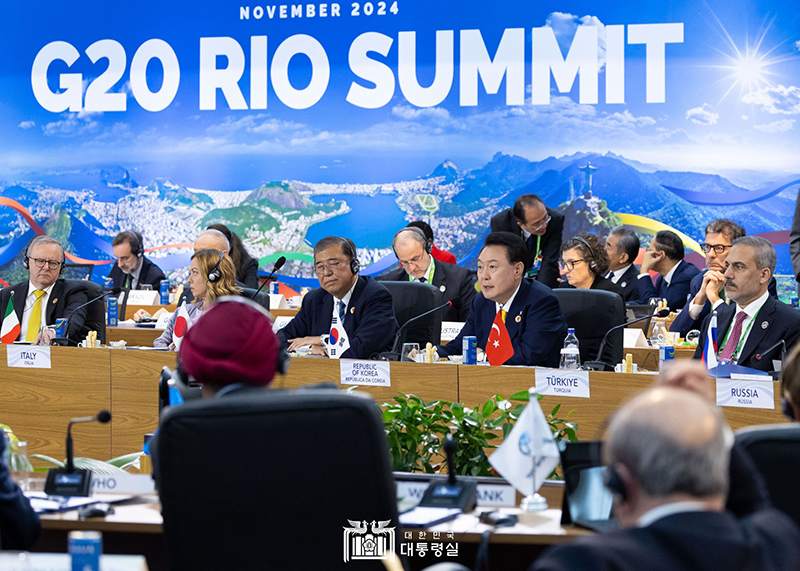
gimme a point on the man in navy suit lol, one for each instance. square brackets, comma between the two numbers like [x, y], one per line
[665, 255]
[533, 316]
[622, 247]
[748, 329]
[668, 462]
[132, 269]
[19, 525]
[707, 288]
[362, 305]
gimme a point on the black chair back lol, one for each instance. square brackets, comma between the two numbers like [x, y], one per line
[77, 271]
[271, 479]
[411, 299]
[775, 449]
[592, 313]
[261, 299]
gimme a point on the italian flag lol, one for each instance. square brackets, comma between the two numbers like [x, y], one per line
[11, 327]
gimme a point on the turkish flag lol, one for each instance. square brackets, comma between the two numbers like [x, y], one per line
[498, 347]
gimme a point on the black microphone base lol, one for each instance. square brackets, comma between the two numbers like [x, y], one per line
[598, 366]
[388, 356]
[63, 342]
[63, 482]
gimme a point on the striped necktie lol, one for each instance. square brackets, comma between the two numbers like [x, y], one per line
[35, 320]
[341, 313]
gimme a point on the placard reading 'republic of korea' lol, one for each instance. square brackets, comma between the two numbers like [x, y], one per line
[746, 394]
[562, 383]
[369, 373]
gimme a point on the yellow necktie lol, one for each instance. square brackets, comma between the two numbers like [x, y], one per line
[504, 313]
[35, 320]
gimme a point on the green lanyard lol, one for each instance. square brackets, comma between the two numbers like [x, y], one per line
[428, 274]
[738, 350]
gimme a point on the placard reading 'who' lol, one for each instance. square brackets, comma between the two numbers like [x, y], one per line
[369, 373]
[562, 383]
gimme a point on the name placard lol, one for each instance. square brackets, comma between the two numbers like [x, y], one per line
[369, 373]
[450, 330]
[144, 297]
[498, 495]
[562, 383]
[28, 356]
[123, 484]
[746, 393]
[280, 322]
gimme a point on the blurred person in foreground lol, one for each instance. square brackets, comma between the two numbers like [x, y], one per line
[668, 453]
[19, 525]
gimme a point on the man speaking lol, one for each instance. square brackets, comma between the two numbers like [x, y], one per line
[528, 310]
[456, 283]
[362, 306]
[132, 269]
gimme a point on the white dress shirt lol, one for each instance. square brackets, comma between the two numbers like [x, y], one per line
[29, 301]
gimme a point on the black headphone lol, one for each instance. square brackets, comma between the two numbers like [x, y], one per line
[418, 232]
[614, 483]
[26, 264]
[355, 265]
[139, 250]
[214, 275]
[592, 262]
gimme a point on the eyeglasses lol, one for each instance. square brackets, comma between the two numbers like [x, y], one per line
[718, 248]
[539, 226]
[569, 265]
[332, 265]
[39, 263]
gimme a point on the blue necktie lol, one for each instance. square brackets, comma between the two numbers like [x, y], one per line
[341, 313]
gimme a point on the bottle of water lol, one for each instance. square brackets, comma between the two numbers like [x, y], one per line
[570, 354]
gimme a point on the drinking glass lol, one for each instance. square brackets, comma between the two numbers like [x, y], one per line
[409, 351]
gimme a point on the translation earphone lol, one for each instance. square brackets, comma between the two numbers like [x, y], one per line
[214, 275]
[355, 265]
[139, 250]
[418, 232]
[592, 262]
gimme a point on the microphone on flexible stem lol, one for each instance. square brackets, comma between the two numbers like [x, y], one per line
[598, 364]
[65, 341]
[70, 481]
[278, 265]
[450, 450]
[393, 355]
[782, 345]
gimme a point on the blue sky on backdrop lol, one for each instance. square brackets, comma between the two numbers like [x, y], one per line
[724, 110]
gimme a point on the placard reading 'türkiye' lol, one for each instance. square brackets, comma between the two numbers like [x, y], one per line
[369, 373]
[562, 383]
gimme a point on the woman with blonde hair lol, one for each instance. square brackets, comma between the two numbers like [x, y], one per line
[211, 275]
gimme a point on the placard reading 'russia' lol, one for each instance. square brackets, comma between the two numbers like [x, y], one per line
[28, 357]
[370, 373]
[746, 394]
[562, 383]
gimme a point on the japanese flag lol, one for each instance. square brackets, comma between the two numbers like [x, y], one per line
[182, 324]
[11, 327]
[498, 346]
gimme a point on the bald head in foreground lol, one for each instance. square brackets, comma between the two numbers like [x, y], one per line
[668, 456]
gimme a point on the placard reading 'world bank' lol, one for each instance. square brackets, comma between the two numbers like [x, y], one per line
[562, 383]
[370, 373]
[746, 394]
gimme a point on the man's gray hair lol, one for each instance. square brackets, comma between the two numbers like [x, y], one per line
[219, 236]
[37, 240]
[764, 250]
[411, 232]
[663, 464]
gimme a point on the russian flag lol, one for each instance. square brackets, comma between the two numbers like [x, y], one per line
[710, 348]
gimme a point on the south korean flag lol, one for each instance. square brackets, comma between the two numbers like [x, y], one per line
[337, 342]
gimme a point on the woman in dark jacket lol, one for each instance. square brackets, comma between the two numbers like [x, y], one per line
[246, 265]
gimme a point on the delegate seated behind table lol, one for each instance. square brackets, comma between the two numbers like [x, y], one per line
[363, 305]
[205, 265]
[585, 261]
[533, 319]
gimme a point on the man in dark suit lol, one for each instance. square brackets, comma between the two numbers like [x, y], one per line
[540, 228]
[19, 525]
[132, 269]
[456, 283]
[665, 255]
[44, 297]
[668, 464]
[794, 241]
[362, 305]
[756, 321]
[622, 247]
[533, 316]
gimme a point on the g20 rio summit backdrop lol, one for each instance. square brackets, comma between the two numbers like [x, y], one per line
[292, 121]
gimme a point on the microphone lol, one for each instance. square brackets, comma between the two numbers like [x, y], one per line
[393, 355]
[278, 265]
[65, 341]
[598, 364]
[69, 481]
[782, 345]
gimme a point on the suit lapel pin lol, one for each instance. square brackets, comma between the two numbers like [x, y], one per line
[623, 284]
[442, 288]
[352, 310]
[764, 324]
[55, 300]
[518, 318]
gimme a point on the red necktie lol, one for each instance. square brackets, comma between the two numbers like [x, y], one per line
[733, 338]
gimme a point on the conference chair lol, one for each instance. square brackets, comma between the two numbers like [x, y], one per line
[592, 313]
[95, 319]
[271, 479]
[261, 299]
[775, 449]
[78, 271]
[411, 299]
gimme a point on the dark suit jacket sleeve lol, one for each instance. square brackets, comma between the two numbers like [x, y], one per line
[684, 322]
[466, 294]
[551, 250]
[154, 275]
[300, 325]
[542, 336]
[75, 295]
[497, 223]
[794, 239]
[249, 275]
[19, 525]
[678, 291]
[377, 326]
[646, 290]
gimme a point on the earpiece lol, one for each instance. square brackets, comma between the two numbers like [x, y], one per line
[214, 275]
[592, 262]
[355, 265]
[418, 232]
[139, 250]
[26, 264]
